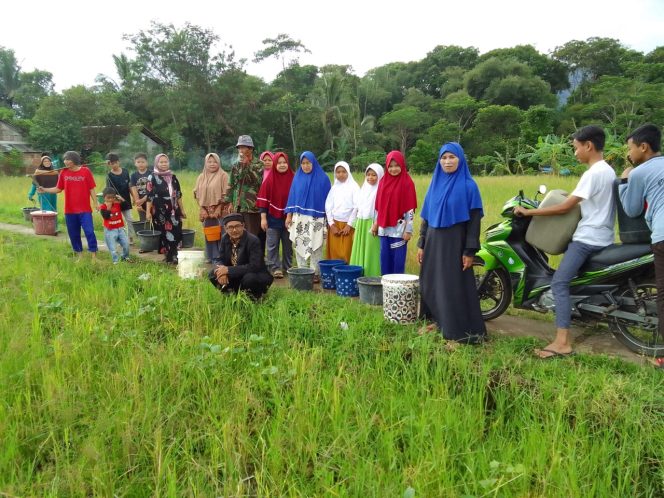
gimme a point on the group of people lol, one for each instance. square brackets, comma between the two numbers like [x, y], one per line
[263, 205]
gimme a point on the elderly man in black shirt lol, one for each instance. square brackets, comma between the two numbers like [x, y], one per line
[241, 265]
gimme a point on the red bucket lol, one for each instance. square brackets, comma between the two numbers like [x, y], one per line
[44, 222]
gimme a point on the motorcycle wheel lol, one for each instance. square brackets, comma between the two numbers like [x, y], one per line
[494, 290]
[644, 339]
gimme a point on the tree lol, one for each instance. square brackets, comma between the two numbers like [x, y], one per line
[177, 70]
[495, 129]
[279, 47]
[554, 72]
[595, 57]
[403, 124]
[460, 108]
[428, 71]
[9, 77]
[507, 82]
[55, 127]
[538, 121]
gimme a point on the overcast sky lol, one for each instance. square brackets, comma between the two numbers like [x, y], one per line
[75, 40]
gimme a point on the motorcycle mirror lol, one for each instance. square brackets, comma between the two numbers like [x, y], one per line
[542, 189]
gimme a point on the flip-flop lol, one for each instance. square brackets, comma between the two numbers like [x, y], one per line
[659, 363]
[554, 354]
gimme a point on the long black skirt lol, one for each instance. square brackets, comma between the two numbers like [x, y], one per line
[448, 294]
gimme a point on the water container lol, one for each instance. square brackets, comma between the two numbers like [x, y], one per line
[301, 278]
[346, 279]
[326, 273]
[552, 234]
[371, 290]
[630, 230]
[401, 297]
[188, 237]
[191, 264]
[27, 211]
[140, 225]
[148, 240]
[44, 222]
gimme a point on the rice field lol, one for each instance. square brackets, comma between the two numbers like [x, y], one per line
[127, 381]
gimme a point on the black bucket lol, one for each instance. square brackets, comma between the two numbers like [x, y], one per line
[188, 237]
[148, 239]
[27, 213]
[371, 290]
[140, 225]
[301, 278]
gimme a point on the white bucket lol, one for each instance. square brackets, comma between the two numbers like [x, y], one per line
[191, 264]
[401, 297]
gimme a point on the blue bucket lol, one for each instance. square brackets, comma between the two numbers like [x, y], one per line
[326, 273]
[346, 277]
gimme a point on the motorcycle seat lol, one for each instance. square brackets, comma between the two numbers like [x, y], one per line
[613, 254]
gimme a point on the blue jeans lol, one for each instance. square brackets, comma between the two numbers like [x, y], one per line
[116, 236]
[74, 223]
[576, 254]
[392, 255]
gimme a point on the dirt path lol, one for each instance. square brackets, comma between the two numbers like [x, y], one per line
[586, 340]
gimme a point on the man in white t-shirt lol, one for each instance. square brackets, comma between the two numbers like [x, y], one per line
[593, 233]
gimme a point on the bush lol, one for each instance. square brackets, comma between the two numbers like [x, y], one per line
[12, 162]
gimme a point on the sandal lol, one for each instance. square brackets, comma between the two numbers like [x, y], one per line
[316, 279]
[278, 274]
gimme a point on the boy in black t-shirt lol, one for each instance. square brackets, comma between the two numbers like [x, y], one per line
[118, 179]
[138, 183]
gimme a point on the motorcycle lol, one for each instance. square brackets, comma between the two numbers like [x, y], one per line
[615, 287]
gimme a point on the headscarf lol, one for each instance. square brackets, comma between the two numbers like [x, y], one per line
[367, 196]
[165, 175]
[211, 188]
[266, 172]
[274, 191]
[396, 194]
[45, 168]
[451, 196]
[342, 198]
[309, 191]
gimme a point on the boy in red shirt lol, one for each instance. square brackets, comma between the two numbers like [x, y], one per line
[79, 187]
[114, 232]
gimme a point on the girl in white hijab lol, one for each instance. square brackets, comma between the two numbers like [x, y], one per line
[341, 210]
[366, 247]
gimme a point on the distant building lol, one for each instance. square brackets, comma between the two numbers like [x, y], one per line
[11, 138]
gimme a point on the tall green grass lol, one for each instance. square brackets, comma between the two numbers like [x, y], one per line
[127, 381]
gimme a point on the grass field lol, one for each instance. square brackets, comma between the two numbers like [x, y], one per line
[127, 381]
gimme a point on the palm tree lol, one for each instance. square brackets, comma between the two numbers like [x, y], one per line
[10, 79]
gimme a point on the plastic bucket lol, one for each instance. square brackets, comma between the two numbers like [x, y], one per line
[188, 237]
[44, 222]
[140, 225]
[148, 239]
[346, 279]
[371, 290]
[326, 274]
[401, 297]
[27, 211]
[191, 264]
[301, 278]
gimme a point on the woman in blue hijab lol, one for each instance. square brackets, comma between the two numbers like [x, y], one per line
[305, 212]
[449, 239]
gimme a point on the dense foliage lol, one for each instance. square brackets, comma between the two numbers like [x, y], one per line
[512, 108]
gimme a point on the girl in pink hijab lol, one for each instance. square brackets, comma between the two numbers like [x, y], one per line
[268, 159]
